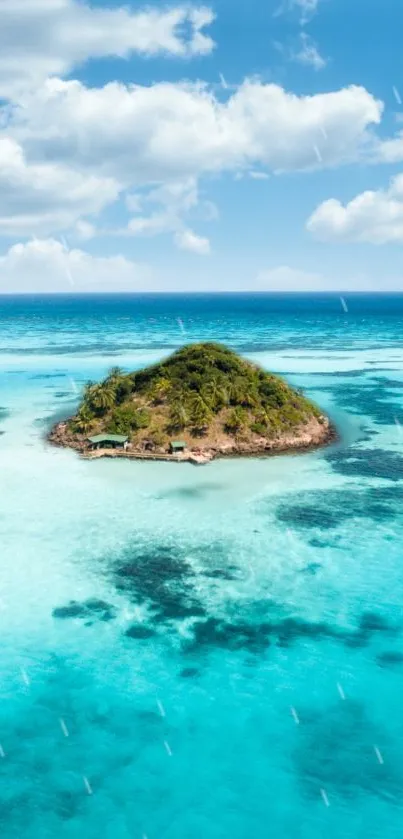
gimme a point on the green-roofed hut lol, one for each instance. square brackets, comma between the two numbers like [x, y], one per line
[108, 441]
[177, 446]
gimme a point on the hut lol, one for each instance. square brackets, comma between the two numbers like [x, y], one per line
[177, 446]
[108, 441]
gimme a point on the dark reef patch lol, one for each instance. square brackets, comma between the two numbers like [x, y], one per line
[189, 672]
[222, 573]
[370, 624]
[231, 636]
[290, 630]
[307, 516]
[161, 578]
[329, 509]
[322, 543]
[311, 568]
[140, 632]
[48, 376]
[91, 608]
[390, 658]
[4, 413]
[388, 384]
[371, 398]
[374, 622]
[338, 374]
[171, 581]
[256, 636]
[15, 372]
[367, 463]
[336, 752]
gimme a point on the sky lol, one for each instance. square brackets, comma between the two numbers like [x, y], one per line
[232, 146]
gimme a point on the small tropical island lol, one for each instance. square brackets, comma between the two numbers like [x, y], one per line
[202, 402]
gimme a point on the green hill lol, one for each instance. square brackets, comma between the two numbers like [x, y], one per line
[206, 393]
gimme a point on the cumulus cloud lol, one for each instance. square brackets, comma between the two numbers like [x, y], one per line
[42, 197]
[84, 230]
[40, 38]
[390, 151]
[168, 131]
[187, 240]
[74, 159]
[374, 216]
[173, 200]
[47, 265]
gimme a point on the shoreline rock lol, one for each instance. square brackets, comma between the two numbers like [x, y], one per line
[314, 435]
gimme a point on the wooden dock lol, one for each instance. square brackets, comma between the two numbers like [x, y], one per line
[185, 457]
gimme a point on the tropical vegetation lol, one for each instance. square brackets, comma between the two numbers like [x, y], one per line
[201, 391]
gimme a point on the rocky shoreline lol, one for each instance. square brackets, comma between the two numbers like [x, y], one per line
[315, 434]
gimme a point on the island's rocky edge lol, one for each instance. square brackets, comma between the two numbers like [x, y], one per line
[314, 435]
[225, 403]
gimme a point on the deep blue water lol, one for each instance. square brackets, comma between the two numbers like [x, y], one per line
[202, 652]
[113, 323]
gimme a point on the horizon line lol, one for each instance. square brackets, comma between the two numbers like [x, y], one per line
[194, 293]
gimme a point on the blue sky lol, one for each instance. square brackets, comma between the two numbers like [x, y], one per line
[223, 146]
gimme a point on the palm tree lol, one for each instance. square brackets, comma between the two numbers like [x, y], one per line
[235, 421]
[160, 390]
[215, 394]
[84, 421]
[177, 414]
[122, 383]
[241, 393]
[102, 397]
[200, 412]
[88, 391]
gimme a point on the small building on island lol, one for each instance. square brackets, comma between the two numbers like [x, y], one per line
[177, 446]
[108, 441]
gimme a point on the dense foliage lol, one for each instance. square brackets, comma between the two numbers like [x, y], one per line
[198, 387]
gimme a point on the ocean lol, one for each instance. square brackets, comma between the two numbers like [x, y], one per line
[202, 652]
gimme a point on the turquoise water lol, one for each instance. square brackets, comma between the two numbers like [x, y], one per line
[202, 652]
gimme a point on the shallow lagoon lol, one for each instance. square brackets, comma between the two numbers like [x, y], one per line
[168, 619]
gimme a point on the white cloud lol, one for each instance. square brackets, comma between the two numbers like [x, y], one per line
[48, 266]
[187, 240]
[174, 200]
[84, 230]
[374, 216]
[74, 159]
[391, 151]
[166, 132]
[308, 53]
[40, 38]
[42, 197]
[258, 176]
